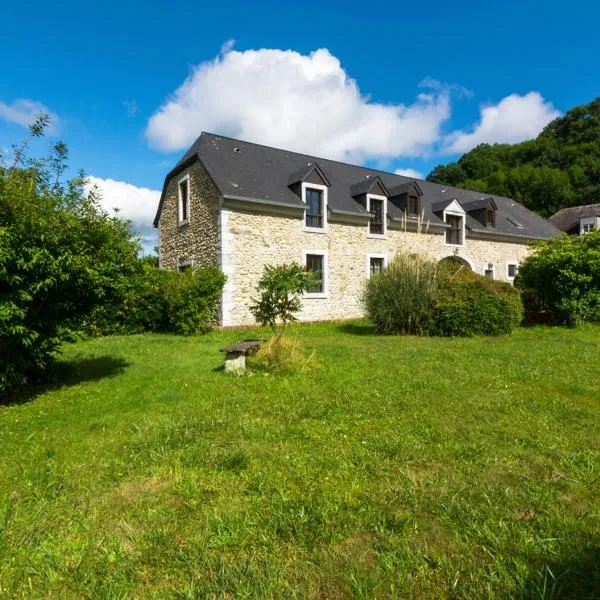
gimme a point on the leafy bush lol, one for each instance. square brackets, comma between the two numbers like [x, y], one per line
[281, 288]
[400, 298]
[414, 295]
[564, 274]
[162, 301]
[470, 304]
[60, 257]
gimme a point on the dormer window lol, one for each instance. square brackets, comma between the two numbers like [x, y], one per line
[314, 208]
[587, 225]
[454, 235]
[315, 215]
[412, 205]
[490, 217]
[376, 205]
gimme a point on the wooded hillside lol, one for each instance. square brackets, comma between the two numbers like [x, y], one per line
[560, 168]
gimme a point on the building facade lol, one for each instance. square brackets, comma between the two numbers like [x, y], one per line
[241, 206]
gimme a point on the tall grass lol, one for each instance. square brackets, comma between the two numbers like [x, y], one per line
[400, 299]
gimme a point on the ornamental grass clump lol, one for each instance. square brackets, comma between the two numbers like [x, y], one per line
[400, 299]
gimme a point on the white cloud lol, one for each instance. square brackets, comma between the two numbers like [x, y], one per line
[409, 173]
[514, 119]
[302, 102]
[23, 112]
[136, 204]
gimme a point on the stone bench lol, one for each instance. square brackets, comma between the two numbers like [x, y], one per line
[235, 355]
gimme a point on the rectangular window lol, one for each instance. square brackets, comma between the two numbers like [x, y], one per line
[314, 264]
[182, 267]
[454, 235]
[490, 217]
[376, 222]
[489, 273]
[512, 271]
[412, 205]
[376, 265]
[587, 225]
[314, 208]
[184, 202]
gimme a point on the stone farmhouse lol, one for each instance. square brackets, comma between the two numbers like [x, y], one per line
[241, 206]
[577, 220]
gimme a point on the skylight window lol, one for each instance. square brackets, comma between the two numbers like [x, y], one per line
[516, 223]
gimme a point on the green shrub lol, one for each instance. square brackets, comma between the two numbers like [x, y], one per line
[60, 257]
[400, 299]
[564, 275]
[470, 304]
[162, 301]
[414, 295]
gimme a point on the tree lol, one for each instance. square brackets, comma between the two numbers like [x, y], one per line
[564, 274]
[281, 288]
[60, 256]
[560, 168]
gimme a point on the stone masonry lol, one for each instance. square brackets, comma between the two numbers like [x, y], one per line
[195, 243]
[249, 241]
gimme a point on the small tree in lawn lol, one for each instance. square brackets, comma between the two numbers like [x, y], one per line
[281, 288]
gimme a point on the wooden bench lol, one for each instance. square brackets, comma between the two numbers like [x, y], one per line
[235, 355]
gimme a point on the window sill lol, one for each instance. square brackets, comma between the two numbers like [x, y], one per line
[314, 229]
[183, 223]
[316, 295]
[377, 236]
[455, 245]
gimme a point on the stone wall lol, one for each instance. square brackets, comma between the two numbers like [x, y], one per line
[197, 241]
[250, 240]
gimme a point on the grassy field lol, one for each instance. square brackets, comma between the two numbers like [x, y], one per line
[402, 468]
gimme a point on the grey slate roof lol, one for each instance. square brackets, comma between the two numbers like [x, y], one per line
[248, 170]
[568, 219]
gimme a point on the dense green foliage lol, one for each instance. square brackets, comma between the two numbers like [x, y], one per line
[161, 301]
[564, 275]
[400, 299]
[416, 295]
[281, 288]
[560, 168]
[60, 256]
[469, 304]
[407, 467]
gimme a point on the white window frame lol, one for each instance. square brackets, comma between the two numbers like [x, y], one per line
[493, 270]
[323, 188]
[378, 236]
[587, 221]
[508, 265]
[374, 255]
[185, 263]
[323, 253]
[180, 218]
[456, 210]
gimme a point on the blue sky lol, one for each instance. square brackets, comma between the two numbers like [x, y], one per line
[393, 85]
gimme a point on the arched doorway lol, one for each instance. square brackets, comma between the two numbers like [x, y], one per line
[454, 264]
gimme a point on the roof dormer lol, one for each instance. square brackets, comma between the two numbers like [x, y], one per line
[369, 185]
[308, 173]
[407, 197]
[483, 210]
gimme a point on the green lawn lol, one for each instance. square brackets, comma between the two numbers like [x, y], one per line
[402, 468]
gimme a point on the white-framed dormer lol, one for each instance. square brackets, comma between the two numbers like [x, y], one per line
[370, 201]
[310, 260]
[587, 225]
[308, 220]
[456, 235]
[183, 200]
[375, 263]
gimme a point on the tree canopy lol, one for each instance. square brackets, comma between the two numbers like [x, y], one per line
[560, 168]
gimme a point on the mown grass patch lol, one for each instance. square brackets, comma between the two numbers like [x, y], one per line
[401, 467]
